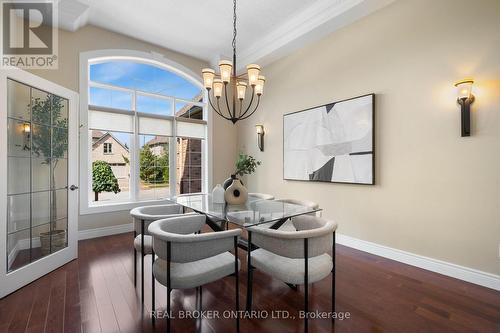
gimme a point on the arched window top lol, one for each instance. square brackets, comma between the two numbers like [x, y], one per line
[145, 77]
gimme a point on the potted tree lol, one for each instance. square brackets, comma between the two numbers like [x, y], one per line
[50, 145]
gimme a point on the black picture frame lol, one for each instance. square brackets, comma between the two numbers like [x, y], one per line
[373, 182]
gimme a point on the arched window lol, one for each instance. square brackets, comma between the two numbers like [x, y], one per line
[146, 126]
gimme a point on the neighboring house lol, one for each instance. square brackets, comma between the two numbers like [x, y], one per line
[189, 153]
[106, 147]
[158, 145]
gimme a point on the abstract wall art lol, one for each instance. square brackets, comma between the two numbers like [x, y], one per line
[331, 143]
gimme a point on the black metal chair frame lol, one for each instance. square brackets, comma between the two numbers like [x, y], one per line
[169, 289]
[250, 269]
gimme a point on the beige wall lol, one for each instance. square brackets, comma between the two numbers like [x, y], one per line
[437, 194]
[93, 38]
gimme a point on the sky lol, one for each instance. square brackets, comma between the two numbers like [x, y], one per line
[143, 77]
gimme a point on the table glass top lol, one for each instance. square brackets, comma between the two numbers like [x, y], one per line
[254, 212]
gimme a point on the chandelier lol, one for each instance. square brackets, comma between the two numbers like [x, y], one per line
[217, 85]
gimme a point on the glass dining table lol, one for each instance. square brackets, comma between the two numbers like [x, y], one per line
[254, 211]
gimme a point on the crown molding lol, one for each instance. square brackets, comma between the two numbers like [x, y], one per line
[315, 22]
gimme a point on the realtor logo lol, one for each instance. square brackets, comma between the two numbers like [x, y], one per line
[29, 34]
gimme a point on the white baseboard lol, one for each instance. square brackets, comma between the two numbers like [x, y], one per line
[12, 255]
[22, 244]
[105, 231]
[442, 267]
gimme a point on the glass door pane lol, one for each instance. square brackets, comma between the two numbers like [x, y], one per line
[37, 198]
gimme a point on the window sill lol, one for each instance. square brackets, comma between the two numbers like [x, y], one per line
[119, 206]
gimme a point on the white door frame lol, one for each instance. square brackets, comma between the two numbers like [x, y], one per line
[10, 282]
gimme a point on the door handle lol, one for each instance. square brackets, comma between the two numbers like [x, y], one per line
[73, 187]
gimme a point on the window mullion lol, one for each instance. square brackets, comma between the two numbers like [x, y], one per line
[173, 155]
[134, 156]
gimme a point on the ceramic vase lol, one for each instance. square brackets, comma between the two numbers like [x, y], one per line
[229, 181]
[236, 193]
[218, 194]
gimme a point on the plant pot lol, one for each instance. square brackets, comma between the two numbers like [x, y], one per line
[58, 241]
[236, 194]
[229, 181]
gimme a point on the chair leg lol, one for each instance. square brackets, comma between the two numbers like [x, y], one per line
[169, 284]
[333, 276]
[168, 309]
[153, 287]
[237, 283]
[249, 272]
[142, 262]
[306, 286]
[135, 261]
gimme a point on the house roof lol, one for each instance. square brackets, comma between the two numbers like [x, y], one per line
[104, 136]
[96, 134]
[188, 110]
[157, 140]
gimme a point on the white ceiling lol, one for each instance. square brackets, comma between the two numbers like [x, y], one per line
[267, 29]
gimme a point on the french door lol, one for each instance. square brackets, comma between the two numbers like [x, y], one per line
[38, 172]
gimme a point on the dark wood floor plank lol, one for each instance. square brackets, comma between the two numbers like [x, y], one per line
[40, 305]
[96, 293]
[72, 316]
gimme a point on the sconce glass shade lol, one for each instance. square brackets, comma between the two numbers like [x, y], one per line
[260, 129]
[208, 77]
[225, 67]
[253, 71]
[259, 88]
[241, 87]
[464, 88]
[218, 87]
[26, 128]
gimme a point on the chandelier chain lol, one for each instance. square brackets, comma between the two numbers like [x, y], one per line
[234, 29]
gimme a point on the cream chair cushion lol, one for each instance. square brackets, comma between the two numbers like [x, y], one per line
[195, 273]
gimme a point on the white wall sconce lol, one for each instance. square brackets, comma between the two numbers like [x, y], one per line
[465, 99]
[260, 136]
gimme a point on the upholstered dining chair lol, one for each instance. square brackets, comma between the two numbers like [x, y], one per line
[143, 216]
[272, 206]
[288, 225]
[263, 196]
[297, 257]
[188, 260]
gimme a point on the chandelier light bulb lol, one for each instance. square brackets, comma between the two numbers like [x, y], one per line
[259, 87]
[225, 67]
[253, 71]
[218, 87]
[241, 87]
[208, 77]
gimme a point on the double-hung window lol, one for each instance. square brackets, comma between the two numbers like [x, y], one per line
[147, 133]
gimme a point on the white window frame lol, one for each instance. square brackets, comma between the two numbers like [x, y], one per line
[154, 59]
[107, 151]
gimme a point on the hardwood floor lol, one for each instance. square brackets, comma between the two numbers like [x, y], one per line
[96, 294]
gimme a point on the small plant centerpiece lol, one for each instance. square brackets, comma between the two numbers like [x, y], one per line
[245, 165]
[236, 193]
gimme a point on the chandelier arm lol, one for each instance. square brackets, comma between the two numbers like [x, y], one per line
[241, 108]
[251, 101]
[227, 102]
[218, 105]
[216, 109]
[255, 109]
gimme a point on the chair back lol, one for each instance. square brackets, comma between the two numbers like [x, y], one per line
[309, 204]
[317, 231]
[185, 246]
[263, 196]
[149, 214]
